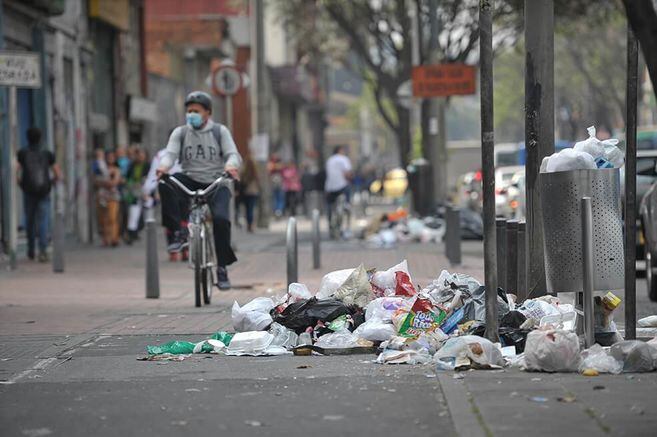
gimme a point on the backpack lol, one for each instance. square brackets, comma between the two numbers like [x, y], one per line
[216, 132]
[36, 172]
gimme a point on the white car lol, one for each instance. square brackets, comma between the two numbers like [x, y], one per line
[503, 182]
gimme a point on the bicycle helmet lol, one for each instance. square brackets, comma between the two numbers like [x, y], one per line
[200, 97]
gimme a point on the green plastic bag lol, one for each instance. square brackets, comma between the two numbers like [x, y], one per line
[224, 337]
[173, 347]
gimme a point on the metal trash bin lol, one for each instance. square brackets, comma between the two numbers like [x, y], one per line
[561, 195]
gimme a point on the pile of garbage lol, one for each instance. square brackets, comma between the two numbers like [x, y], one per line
[589, 154]
[389, 229]
[443, 324]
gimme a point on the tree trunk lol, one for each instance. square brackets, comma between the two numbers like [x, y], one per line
[643, 19]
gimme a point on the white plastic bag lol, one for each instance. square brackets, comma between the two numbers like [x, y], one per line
[384, 282]
[297, 292]
[570, 159]
[537, 309]
[356, 290]
[331, 282]
[283, 336]
[340, 339]
[591, 145]
[254, 316]
[375, 330]
[552, 351]
[596, 357]
[383, 308]
[635, 355]
[478, 349]
[648, 322]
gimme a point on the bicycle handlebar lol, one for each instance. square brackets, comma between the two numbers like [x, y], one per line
[223, 180]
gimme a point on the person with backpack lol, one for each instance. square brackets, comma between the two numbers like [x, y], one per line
[35, 165]
[205, 150]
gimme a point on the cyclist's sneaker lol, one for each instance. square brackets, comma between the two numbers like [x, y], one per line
[178, 243]
[222, 278]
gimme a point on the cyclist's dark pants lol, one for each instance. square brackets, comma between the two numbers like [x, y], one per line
[175, 206]
[332, 196]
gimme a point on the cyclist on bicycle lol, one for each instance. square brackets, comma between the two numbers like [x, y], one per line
[205, 150]
[338, 176]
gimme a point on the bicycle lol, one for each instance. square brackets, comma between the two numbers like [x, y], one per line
[202, 258]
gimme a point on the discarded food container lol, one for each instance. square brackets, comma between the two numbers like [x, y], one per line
[250, 342]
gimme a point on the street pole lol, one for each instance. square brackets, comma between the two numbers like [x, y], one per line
[13, 182]
[539, 127]
[259, 107]
[488, 163]
[630, 185]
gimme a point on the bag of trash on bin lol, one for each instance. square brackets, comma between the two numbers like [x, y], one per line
[375, 330]
[570, 159]
[605, 153]
[331, 282]
[283, 336]
[254, 316]
[597, 358]
[383, 308]
[423, 317]
[300, 315]
[356, 289]
[337, 340]
[466, 351]
[552, 351]
[635, 355]
[384, 282]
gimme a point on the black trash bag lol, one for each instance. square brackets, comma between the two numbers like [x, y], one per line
[513, 319]
[477, 311]
[508, 336]
[300, 315]
[472, 225]
[514, 337]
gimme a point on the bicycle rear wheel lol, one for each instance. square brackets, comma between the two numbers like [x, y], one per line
[197, 254]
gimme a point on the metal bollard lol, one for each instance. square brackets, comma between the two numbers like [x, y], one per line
[292, 252]
[512, 256]
[316, 240]
[587, 270]
[58, 244]
[453, 235]
[152, 262]
[500, 232]
[522, 262]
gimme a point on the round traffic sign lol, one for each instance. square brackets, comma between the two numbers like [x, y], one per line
[227, 80]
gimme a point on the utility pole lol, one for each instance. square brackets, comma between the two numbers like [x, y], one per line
[260, 108]
[488, 164]
[539, 128]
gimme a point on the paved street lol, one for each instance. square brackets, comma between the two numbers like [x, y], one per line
[70, 343]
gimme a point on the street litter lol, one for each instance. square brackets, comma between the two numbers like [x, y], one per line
[648, 322]
[443, 324]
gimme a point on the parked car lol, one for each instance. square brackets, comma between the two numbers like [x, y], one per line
[516, 195]
[646, 175]
[395, 184]
[503, 182]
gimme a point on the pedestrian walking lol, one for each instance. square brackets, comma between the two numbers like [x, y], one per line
[338, 176]
[250, 184]
[291, 187]
[274, 167]
[108, 197]
[132, 194]
[37, 173]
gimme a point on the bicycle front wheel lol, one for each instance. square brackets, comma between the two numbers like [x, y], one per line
[197, 254]
[208, 265]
